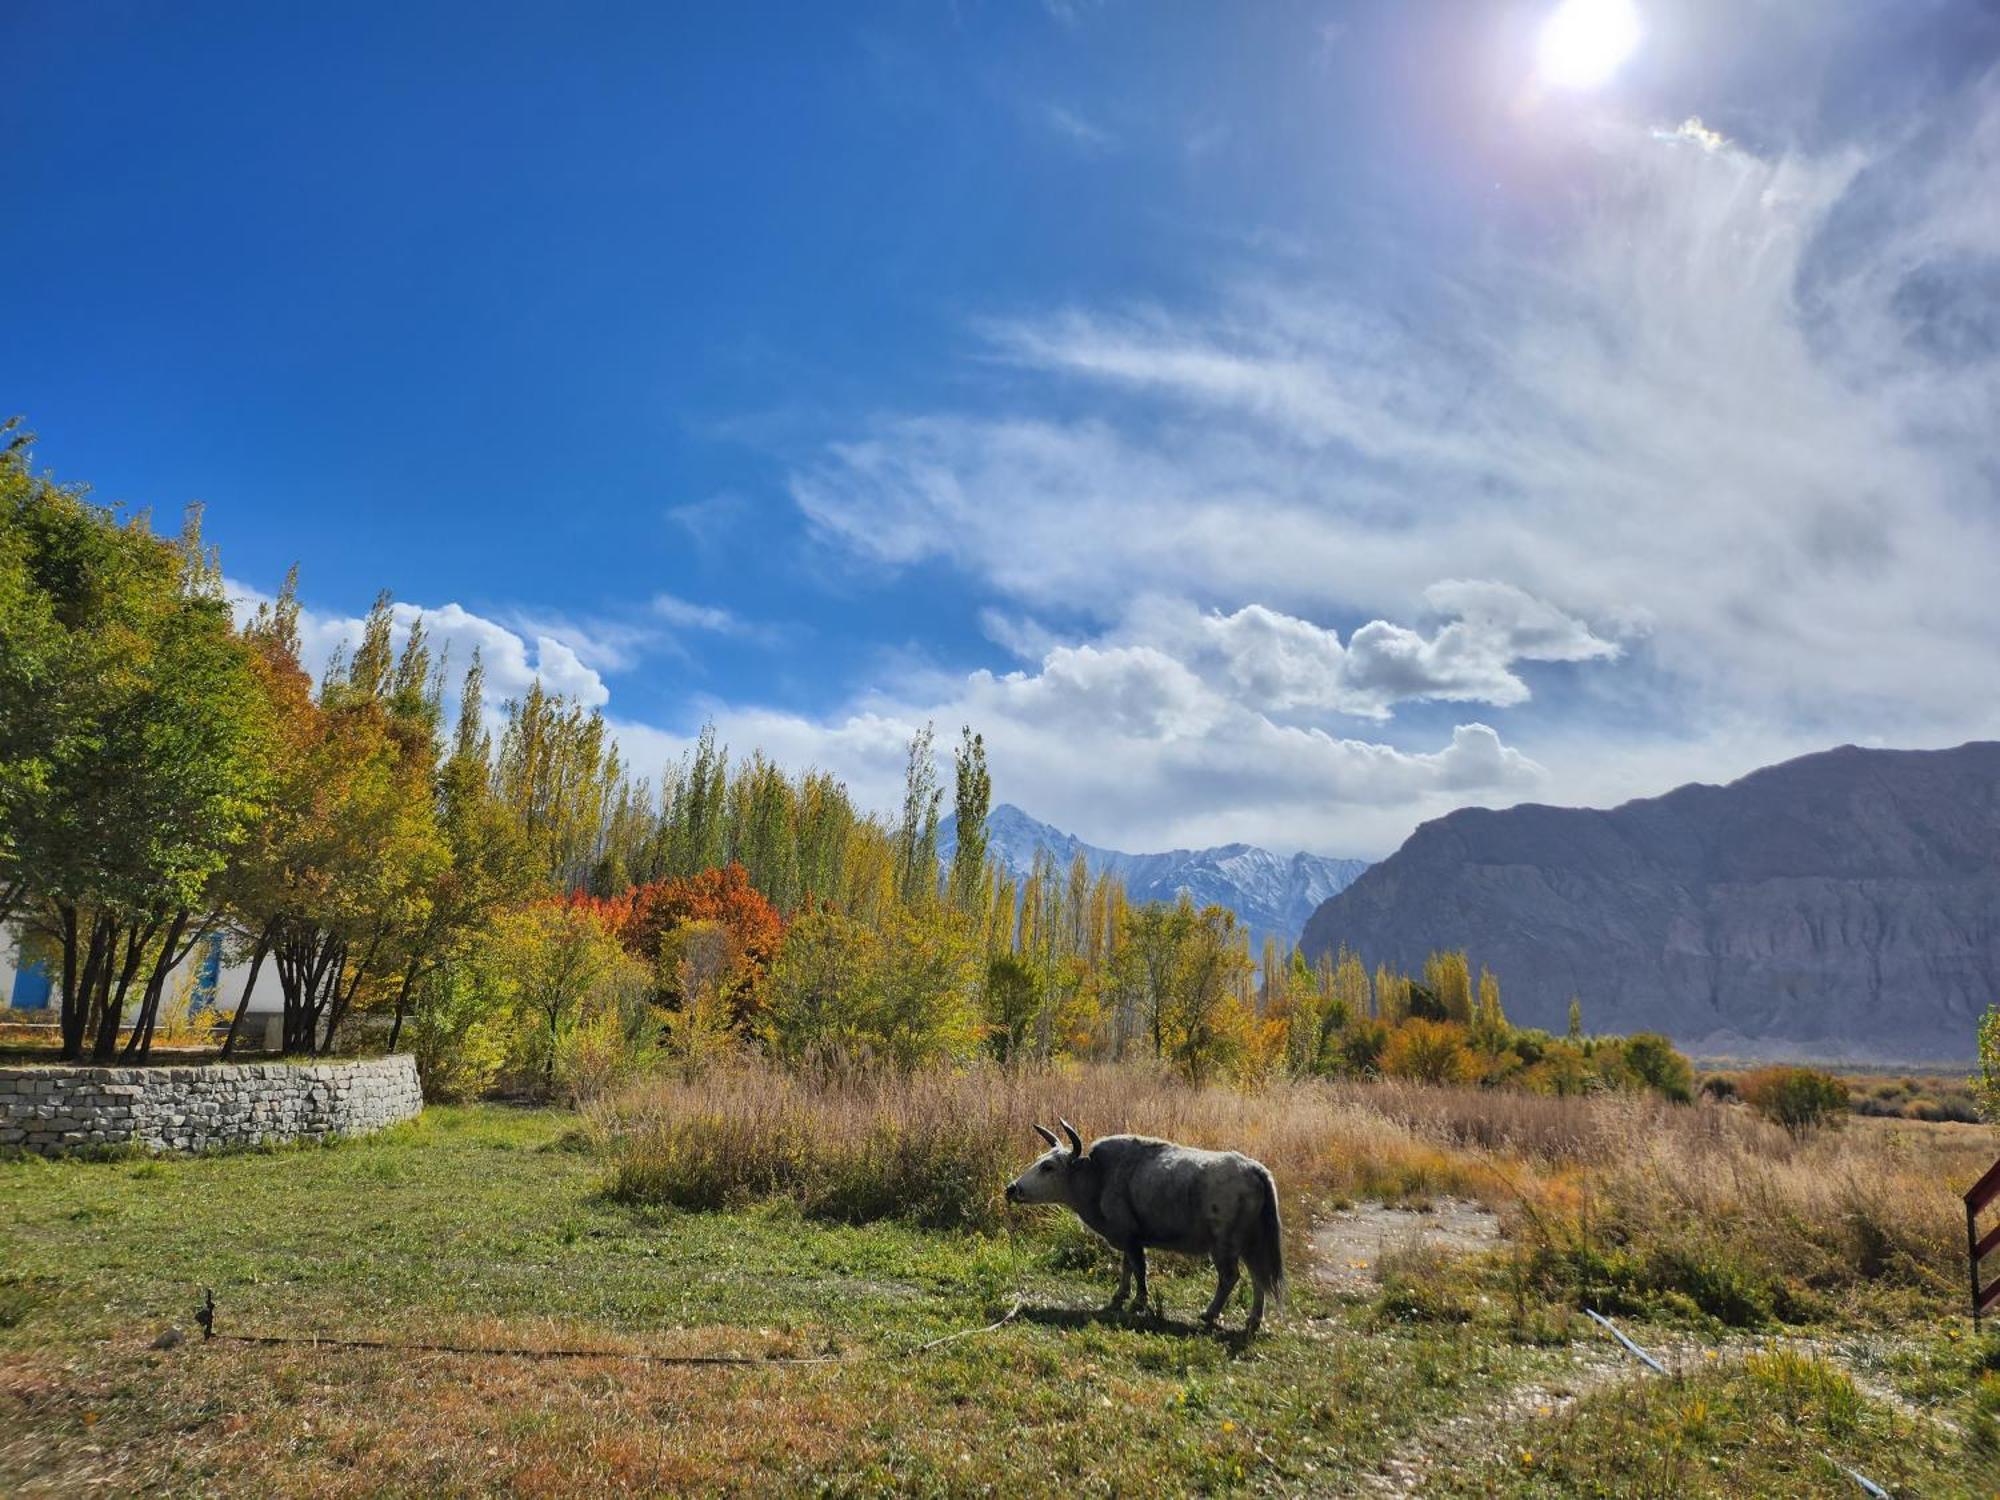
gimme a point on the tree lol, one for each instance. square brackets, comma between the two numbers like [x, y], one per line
[1013, 1006]
[1209, 961]
[923, 1006]
[696, 798]
[972, 799]
[1449, 977]
[819, 989]
[36, 718]
[489, 863]
[725, 897]
[560, 777]
[917, 833]
[1986, 1082]
[343, 871]
[119, 811]
[703, 958]
[561, 955]
[459, 1023]
[1575, 1032]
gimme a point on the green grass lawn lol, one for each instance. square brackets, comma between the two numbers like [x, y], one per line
[486, 1225]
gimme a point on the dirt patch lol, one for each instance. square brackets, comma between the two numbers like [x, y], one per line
[1349, 1245]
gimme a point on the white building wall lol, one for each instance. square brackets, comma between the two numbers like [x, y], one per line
[266, 999]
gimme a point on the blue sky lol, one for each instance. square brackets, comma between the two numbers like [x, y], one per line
[1280, 421]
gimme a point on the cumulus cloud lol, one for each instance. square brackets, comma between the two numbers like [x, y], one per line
[1279, 662]
[1128, 747]
[512, 660]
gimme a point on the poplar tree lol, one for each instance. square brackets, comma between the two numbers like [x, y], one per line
[972, 799]
[917, 833]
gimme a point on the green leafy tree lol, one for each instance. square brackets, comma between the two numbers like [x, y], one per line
[118, 814]
[972, 801]
[819, 989]
[917, 833]
[1986, 1082]
[1013, 1004]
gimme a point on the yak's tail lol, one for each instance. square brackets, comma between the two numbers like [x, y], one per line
[1265, 1254]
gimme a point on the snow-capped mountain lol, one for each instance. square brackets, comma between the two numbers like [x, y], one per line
[1268, 892]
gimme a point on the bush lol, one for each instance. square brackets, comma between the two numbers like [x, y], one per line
[1655, 1062]
[1360, 1045]
[1800, 1099]
[1429, 1052]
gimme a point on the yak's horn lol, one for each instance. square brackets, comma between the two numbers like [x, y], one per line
[1048, 1135]
[1075, 1140]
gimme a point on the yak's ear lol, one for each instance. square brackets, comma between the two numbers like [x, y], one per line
[1048, 1135]
[1075, 1140]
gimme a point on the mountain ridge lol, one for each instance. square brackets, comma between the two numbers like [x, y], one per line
[1270, 893]
[1841, 904]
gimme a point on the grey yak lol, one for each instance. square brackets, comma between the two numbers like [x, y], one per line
[1141, 1194]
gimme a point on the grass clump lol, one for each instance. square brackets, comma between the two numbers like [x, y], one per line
[1779, 1422]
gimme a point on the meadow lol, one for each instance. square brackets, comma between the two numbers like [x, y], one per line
[1804, 1294]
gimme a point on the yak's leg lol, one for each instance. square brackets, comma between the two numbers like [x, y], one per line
[1135, 1257]
[1117, 1303]
[1226, 1274]
[1256, 1306]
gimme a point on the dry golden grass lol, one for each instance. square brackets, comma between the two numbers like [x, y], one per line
[1624, 1198]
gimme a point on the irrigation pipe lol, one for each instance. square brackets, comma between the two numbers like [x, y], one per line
[1867, 1485]
[205, 1316]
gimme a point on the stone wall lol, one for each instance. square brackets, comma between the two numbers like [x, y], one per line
[197, 1108]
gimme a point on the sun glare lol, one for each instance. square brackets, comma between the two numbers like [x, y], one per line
[1584, 42]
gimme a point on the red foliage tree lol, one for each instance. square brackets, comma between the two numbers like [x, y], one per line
[613, 913]
[725, 897]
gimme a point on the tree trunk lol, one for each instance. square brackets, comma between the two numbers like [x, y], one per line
[114, 1003]
[402, 1004]
[140, 1044]
[343, 999]
[249, 984]
[71, 1015]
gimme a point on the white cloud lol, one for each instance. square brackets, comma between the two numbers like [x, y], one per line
[1075, 129]
[512, 661]
[682, 613]
[1127, 747]
[1736, 410]
[1279, 662]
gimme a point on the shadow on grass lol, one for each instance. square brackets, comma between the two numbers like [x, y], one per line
[1235, 1340]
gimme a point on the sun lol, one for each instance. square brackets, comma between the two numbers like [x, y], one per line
[1584, 42]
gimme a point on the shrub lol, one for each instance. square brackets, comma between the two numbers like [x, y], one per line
[1429, 1052]
[1800, 1099]
[1654, 1061]
[1360, 1045]
[1562, 1070]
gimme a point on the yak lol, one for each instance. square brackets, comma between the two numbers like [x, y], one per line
[1140, 1194]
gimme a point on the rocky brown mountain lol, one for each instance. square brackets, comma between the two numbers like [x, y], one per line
[1841, 905]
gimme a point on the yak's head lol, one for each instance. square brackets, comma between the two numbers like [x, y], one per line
[1048, 1179]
